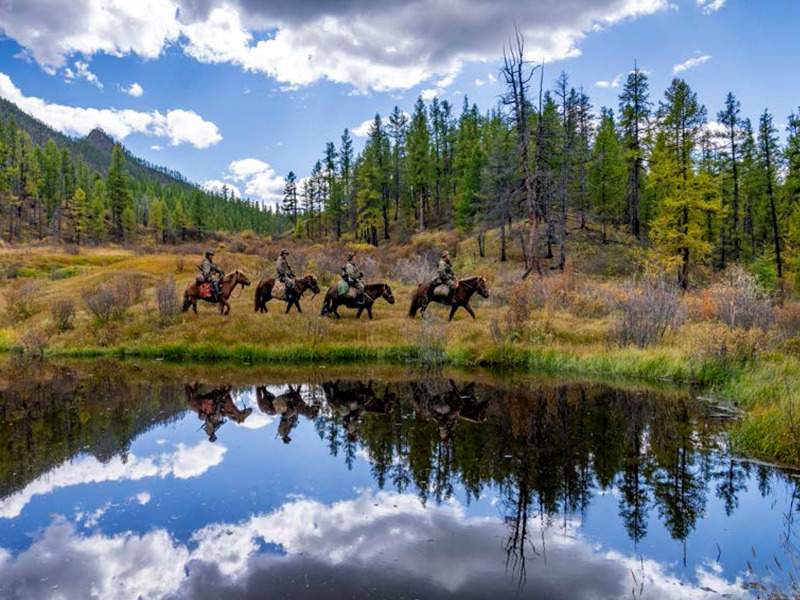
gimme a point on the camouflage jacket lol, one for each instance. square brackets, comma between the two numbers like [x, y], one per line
[208, 268]
[283, 268]
[445, 273]
[351, 274]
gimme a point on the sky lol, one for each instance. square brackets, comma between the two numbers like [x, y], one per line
[241, 92]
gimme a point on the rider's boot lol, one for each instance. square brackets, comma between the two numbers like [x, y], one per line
[359, 298]
[215, 290]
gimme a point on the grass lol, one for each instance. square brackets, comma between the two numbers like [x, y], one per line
[558, 338]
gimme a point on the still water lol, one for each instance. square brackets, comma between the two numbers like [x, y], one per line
[122, 480]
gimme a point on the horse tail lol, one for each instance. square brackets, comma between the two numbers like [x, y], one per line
[412, 311]
[325, 306]
[187, 301]
[257, 298]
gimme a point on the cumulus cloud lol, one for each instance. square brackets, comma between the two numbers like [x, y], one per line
[612, 83]
[183, 462]
[690, 64]
[710, 6]
[258, 178]
[134, 90]
[392, 45]
[179, 126]
[215, 186]
[436, 551]
[80, 70]
[365, 127]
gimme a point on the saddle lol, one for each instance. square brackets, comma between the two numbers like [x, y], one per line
[441, 290]
[279, 290]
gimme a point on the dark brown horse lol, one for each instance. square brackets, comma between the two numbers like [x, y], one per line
[466, 288]
[301, 284]
[372, 292]
[213, 407]
[226, 286]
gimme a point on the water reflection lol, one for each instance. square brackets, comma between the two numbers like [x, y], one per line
[614, 490]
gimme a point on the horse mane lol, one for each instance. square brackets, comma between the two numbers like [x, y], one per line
[309, 276]
[472, 278]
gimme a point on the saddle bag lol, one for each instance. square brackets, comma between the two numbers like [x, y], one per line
[342, 287]
[204, 290]
[441, 290]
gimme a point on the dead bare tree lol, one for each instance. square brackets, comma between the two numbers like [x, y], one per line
[517, 73]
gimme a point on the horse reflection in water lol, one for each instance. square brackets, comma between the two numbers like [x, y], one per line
[289, 405]
[447, 404]
[213, 407]
[352, 400]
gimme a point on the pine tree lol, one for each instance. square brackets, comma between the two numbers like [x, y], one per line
[117, 190]
[635, 109]
[608, 171]
[769, 162]
[419, 163]
[97, 211]
[730, 120]
[80, 216]
[290, 197]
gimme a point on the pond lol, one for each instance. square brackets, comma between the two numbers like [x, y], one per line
[136, 480]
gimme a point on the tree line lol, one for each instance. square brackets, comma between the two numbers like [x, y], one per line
[48, 191]
[535, 167]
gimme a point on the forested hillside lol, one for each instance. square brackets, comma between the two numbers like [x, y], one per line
[91, 190]
[697, 188]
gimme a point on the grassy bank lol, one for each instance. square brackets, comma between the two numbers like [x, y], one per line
[562, 326]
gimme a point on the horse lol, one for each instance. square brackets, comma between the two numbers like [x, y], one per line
[212, 408]
[301, 284]
[226, 286]
[372, 292]
[466, 288]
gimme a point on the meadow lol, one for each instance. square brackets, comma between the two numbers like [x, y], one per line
[727, 336]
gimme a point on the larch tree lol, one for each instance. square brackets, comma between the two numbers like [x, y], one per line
[608, 171]
[635, 111]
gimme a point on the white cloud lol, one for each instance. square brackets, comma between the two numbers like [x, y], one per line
[365, 127]
[183, 463]
[613, 83]
[430, 93]
[142, 498]
[80, 70]
[134, 90]
[479, 82]
[491, 78]
[179, 126]
[710, 6]
[690, 64]
[215, 186]
[438, 551]
[156, 147]
[359, 43]
[246, 168]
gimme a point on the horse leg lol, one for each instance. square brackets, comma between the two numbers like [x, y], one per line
[453, 310]
[194, 305]
[297, 304]
[469, 310]
[359, 311]
[369, 311]
[288, 308]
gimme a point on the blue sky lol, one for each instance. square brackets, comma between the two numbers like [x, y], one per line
[244, 91]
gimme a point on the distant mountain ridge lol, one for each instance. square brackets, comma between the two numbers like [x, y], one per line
[95, 148]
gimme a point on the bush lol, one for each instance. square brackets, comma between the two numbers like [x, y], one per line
[167, 300]
[21, 300]
[739, 301]
[646, 313]
[420, 269]
[111, 300]
[62, 313]
[34, 341]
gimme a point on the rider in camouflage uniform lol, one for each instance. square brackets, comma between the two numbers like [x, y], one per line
[285, 273]
[353, 278]
[208, 268]
[446, 276]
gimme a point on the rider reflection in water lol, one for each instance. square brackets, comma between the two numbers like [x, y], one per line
[212, 408]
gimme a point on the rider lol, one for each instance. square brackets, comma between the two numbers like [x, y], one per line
[208, 268]
[353, 277]
[446, 276]
[285, 273]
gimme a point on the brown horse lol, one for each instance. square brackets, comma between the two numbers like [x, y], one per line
[226, 286]
[212, 408]
[466, 288]
[372, 292]
[301, 284]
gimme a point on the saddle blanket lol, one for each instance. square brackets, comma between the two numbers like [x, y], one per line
[279, 290]
[204, 290]
[441, 290]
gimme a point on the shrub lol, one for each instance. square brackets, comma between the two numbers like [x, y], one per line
[646, 313]
[62, 313]
[416, 270]
[520, 303]
[167, 300]
[112, 299]
[180, 263]
[21, 300]
[34, 341]
[739, 301]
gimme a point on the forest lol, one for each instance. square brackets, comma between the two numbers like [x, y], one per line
[693, 187]
[93, 191]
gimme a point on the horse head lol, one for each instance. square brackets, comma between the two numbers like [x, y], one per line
[240, 277]
[312, 283]
[482, 288]
[387, 293]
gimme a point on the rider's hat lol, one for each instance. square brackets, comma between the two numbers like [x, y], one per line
[284, 251]
[351, 255]
[445, 253]
[210, 253]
